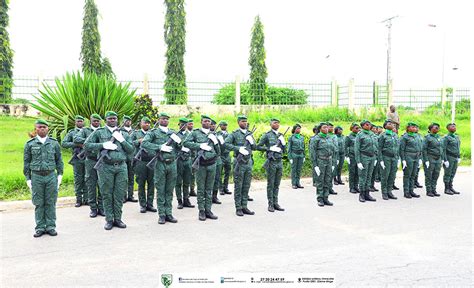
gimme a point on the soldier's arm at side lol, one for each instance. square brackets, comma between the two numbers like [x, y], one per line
[357, 148]
[67, 142]
[58, 158]
[290, 148]
[92, 142]
[402, 149]
[314, 157]
[424, 149]
[127, 144]
[229, 143]
[80, 137]
[191, 143]
[381, 145]
[262, 144]
[26, 162]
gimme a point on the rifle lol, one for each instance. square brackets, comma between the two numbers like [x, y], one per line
[201, 152]
[271, 154]
[240, 157]
[78, 154]
[139, 155]
[152, 163]
[104, 153]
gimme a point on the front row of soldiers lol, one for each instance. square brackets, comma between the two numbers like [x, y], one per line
[165, 159]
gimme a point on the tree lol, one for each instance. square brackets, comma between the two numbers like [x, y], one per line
[90, 50]
[6, 55]
[258, 69]
[175, 37]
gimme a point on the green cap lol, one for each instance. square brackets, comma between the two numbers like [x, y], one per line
[241, 117]
[449, 124]
[412, 124]
[96, 116]
[42, 121]
[386, 122]
[213, 122]
[222, 123]
[329, 124]
[164, 114]
[78, 117]
[190, 120]
[365, 121]
[274, 120]
[338, 127]
[183, 120]
[204, 116]
[110, 114]
[354, 124]
[145, 119]
[322, 123]
[125, 117]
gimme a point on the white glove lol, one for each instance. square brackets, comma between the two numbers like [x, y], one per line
[304, 159]
[221, 139]
[28, 183]
[446, 164]
[360, 166]
[60, 179]
[375, 163]
[166, 148]
[427, 163]
[332, 168]
[243, 151]
[316, 169]
[205, 146]
[213, 138]
[250, 139]
[398, 163]
[382, 164]
[118, 136]
[109, 145]
[275, 148]
[282, 140]
[348, 160]
[185, 149]
[175, 138]
[459, 160]
[404, 164]
[291, 161]
[337, 162]
[420, 162]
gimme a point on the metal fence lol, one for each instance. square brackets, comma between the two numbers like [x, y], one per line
[317, 94]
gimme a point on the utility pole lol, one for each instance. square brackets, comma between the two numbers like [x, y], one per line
[388, 22]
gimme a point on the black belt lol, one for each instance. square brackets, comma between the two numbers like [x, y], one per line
[168, 161]
[116, 163]
[452, 154]
[43, 172]
[325, 157]
[367, 154]
[388, 154]
[415, 154]
[92, 158]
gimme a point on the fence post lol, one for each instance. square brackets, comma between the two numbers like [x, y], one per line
[443, 96]
[375, 92]
[350, 93]
[390, 93]
[237, 94]
[40, 80]
[334, 94]
[145, 85]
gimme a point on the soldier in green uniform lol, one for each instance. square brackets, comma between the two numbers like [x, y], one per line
[335, 156]
[77, 163]
[42, 155]
[365, 151]
[112, 173]
[432, 159]
[166, 144]
[273, 143]
[241, 141]
[417, 184]
[349, 143]
[184, 169]
[388, 158]
[226, 160]
[208, 149]
[190, 128]
[374, 176]
[127, 128]
[215, 187]
[322, 152]
[410, 154]
[311, 152]
[395, 134]
[452, 154]
[91, 179]
[341, 155]
[296, 150]
[144, 176]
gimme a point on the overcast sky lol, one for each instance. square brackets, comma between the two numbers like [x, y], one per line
[299, 37]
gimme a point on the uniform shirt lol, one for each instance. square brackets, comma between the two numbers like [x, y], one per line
[322, 149]
[183, 153]
[412, 144]
[235, 140]
[340, 145]
[158, 137]
[199, 136]
[80, 138]
[349, 142]
[95, 143]
[270, 139]
[296, 146]
[223, 134]
[452, 145]
[388, 145]
[365, 145]
[335, 146]
[433, 148]
[147, 155]
[39, 156]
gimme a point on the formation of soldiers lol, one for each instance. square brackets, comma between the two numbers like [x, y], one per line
[107, 160]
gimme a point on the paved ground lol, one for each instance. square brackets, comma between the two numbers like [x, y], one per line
[418, 242]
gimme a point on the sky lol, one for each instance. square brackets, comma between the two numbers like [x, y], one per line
[305, 41]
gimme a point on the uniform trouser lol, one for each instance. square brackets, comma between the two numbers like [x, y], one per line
[80, 188]
[205, 176]
[450, 172]
[315, 182]
[145, 176]
[375, 174]
[274, 172]
[366, 173]
[340, 165]
[183, 179]
[165, 181]
[225, 172]
[217, 180]
[387, 175]
[432, 174]
[113, 183]
[324, 180]
[44, 196]
[242, 180]
[417, 173]
[94, 194]
[130, 175]
[353, 174]
[296, 168]
[193, 179]
[409, 174]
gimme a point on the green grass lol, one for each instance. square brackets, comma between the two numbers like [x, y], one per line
[15, 134]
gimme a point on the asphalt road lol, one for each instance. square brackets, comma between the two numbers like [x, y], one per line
[404, 242]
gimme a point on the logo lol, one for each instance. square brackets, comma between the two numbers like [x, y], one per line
[166, 279]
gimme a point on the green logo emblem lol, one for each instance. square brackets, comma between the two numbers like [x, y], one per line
[166, 279]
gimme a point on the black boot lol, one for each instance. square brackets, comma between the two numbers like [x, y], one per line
[391, 196]
[278, 207]
[357, 189]
[170, 218]
[119, 224]
[395, 187]
[162, 220]
[335, 181]
[332, 192]
[192, 193]
[340, 181]
[362, 196]
[101, 212]
[239, 212]
[271, 208]
[247, 211]
[150, 208]
[435, 193]
[320, 202]
[109, 225]
[93, 213]
[299, 186]
[131, 199]
[221, 192]
[226, 191]
[142, 209]
[447, 190]
[294, 187]
[187, 203]
[249, 198]
[327, 202]
[202, 215]
[215, 200]
[371, 189]
[407, 195]
[78, 203]
[38, 233]
[414, 195]
[368, 197]
[210, 215]
[385, 196]
[180, 203]
[418, 185]
[429, 194]
[353, 191]
[452, 189]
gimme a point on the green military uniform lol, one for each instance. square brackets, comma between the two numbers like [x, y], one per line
[365, 151]
[388, 155]
[322, 148]
[311, 156]
[193, 177]
[184, 170]
[433, 156]
[417, 184]
[144, 176]
[91, 177]
[78, 165]
[410, 154]
[275, 165]
[335, 158]
[341, 155]
[349, 143]
[376, 170]
[206, 173]
[112, 175]
[296, 150]
[226, 163]
[452, 154]
[217, 179]
[39, 162]
[130, 174]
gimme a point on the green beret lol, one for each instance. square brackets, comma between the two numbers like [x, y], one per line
[204, 116]
[274, 120]
[146, 119]
[338, 127]
[222, 123]
[329, 124]
[241, 117]
[42, 121]
[79, 117]
[322, 123]
[183, 120]
[213, 122]
[365, 121]
[386, 122]
[125, 117]
[449, 124]
[354, 124]
[412, 124]
[96, 116]
[110, 114]
[163, 114]
[190, 120]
